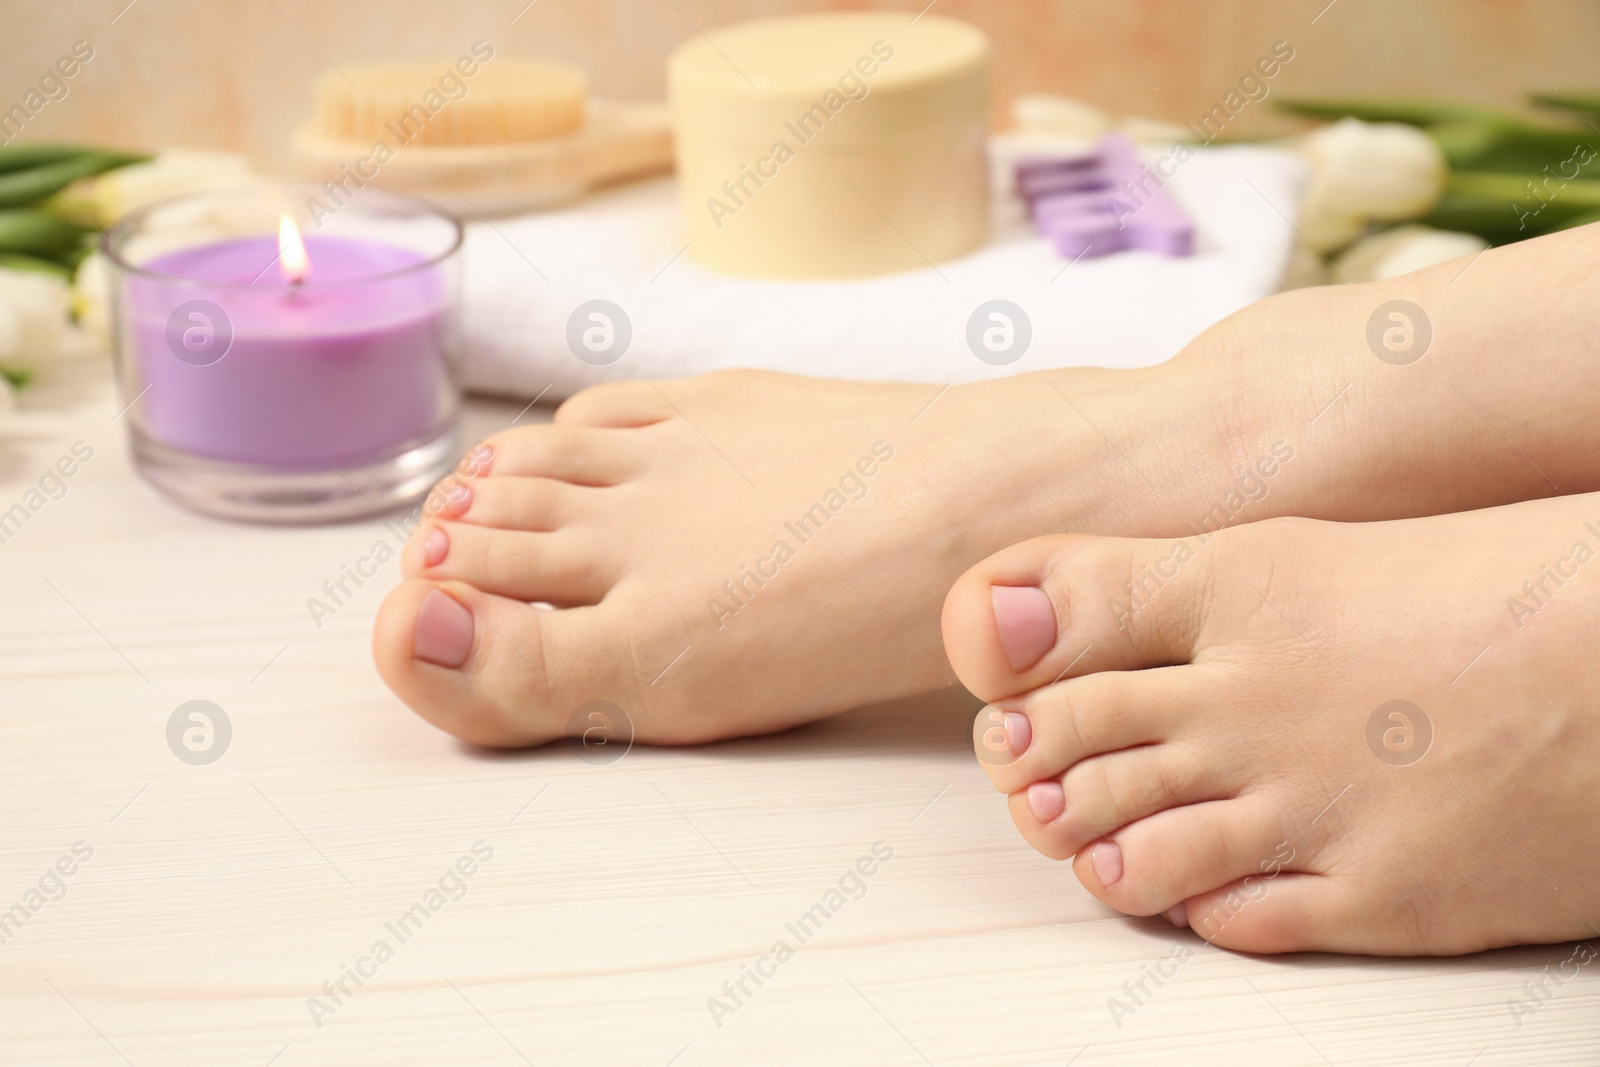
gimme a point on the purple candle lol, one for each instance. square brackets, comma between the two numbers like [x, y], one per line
[238, 362]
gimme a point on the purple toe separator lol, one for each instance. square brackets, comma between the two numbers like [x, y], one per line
[1103, 201]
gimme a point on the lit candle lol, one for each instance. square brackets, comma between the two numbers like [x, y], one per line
[280, 377]
[299, 354]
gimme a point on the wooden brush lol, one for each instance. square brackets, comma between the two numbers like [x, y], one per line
[499, 103]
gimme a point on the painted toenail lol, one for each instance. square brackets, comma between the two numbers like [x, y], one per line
[444, 631]
[476, 463]
[1178, 915]
[435, 547]
[457, 498]
[1019, 732]
[1106, 858]
[1027, 623]
[1046, 801]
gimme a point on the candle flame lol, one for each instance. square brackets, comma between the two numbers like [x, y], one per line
[292, 259]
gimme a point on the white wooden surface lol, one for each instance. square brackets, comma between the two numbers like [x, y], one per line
[618, 898]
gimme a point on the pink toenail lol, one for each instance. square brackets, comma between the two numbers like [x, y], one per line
[1027, 623]
[1178, 915]
[457, 497]
[1106, 858]
[476, 463]
[1019, 732]
[1046, 800]
[435, 547]
[444, 631]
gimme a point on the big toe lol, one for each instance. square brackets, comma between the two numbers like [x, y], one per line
[480, 666]
[1061, 606]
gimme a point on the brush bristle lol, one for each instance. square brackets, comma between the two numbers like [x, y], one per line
[499, 104]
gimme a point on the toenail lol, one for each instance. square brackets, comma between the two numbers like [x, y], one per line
[1178, 915]
[477, 461]
[1027, 623]
[435, 547]
[1019, 732]
[1046, 801]
[456, 499]
[1106, 858]
[444, 631]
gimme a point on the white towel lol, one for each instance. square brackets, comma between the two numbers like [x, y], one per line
[526, 277]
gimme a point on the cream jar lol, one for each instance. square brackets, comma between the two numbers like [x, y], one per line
[832, 145]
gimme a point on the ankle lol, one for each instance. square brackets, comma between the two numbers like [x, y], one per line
[1178, 449]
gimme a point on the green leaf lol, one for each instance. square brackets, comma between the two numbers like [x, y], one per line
[1581, 194]
[1501, 208]
[1579, 220]
[1582, 102]
[1516, 147]
[34, 184]
[22, 156]
[37, 233]
[23, 261]
[1411, 112]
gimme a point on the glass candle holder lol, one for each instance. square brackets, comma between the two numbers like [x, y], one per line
[279, 361]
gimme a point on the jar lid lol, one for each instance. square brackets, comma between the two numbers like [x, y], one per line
[880, 63]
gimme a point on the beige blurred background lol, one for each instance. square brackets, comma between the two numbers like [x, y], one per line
[238, 73]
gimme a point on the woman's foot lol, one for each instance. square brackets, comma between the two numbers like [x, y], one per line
[1302, 735]
[745, 551]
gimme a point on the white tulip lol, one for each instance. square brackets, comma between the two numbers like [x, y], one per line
[1305, 268]
[1402, 250]
[33, 317]
[10, 335]
[1060, 115]
[172, 173]
[1154, 131]
[1365, 172]
[91, 299]
[1328, 231]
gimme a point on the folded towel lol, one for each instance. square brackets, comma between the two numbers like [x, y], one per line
[527, 278]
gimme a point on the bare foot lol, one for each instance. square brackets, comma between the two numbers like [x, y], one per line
[745, 551]
[1301, 735]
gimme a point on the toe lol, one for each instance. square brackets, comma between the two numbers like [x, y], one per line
[1152, 864]
[615, 404]
[489, 670]
[580, 454]
[1058, 606]
[1081, 717]
[1060, 815]
[1275, 909]
[532, 504]
[564, 567]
